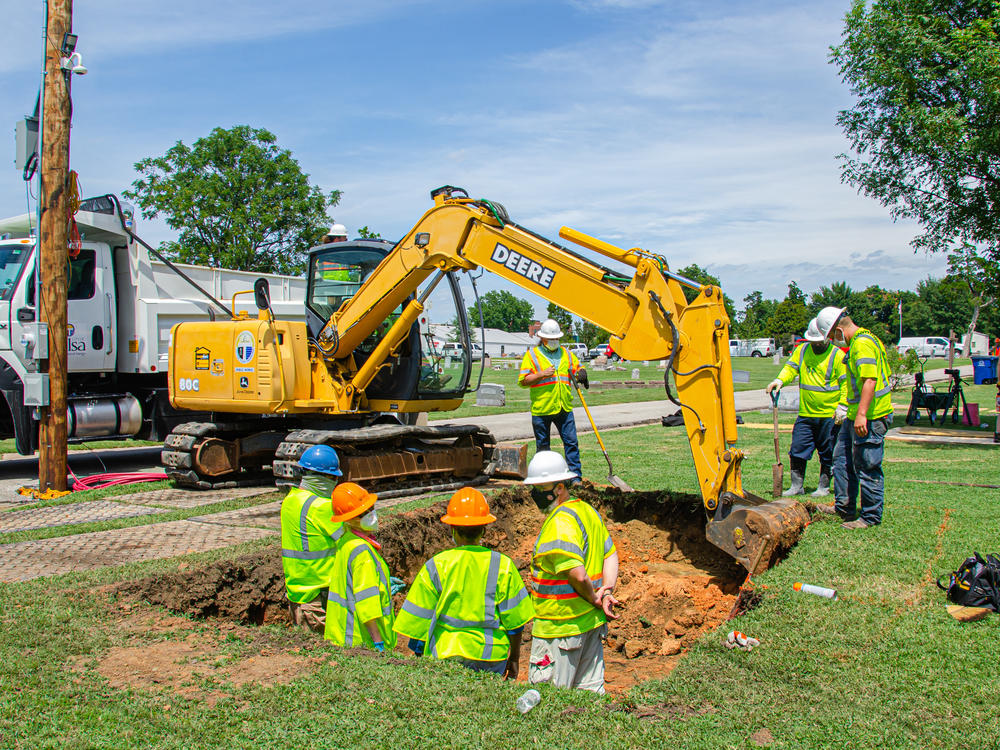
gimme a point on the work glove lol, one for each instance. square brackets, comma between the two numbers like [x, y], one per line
[841, 414]
[396, 585]
[582, 379]
[739, 640]
[379, 646]
[774, 385]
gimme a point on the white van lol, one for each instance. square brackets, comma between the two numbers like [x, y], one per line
[924, 346]
[456, 351]
[580, 350]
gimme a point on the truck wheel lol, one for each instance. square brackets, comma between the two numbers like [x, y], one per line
[756, 354]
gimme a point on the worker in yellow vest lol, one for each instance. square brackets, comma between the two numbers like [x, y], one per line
[574, 569]
[309, 537]
[359, 605]
[546, 370]
[867, 416]
[468, 603]
[821, 371]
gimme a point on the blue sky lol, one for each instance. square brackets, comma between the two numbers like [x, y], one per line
[703, 131]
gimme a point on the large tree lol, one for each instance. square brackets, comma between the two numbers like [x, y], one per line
[926, 125]
[982, 278]
[789, 317]
[503, 310]
[756, 312]
[564, 318]
[237, 200]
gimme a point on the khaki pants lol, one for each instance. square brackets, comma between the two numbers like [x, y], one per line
[575, 661]
[310, 615]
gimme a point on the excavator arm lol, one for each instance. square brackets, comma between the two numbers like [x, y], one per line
[645, 312]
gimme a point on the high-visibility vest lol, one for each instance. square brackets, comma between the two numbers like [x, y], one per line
[555, 394]
[821, 378]
[572, 534]
[359, 592]
[867, 359]
[308, 543]
[463, 602]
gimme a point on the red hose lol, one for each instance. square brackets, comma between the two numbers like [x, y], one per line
[99, 481]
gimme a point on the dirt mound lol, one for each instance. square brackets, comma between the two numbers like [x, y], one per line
[673, 584]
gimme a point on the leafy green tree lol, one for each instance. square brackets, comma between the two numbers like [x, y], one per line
[237, 200]
[926, 124]
[838, 294]
[755, 315]
[789, 318]
[702, 276]
[503, 310]
[592, 335]
[563, 317]
[368, 234]
[981, 277]
[942, 305]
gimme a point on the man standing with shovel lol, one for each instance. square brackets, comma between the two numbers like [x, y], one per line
[821, 371]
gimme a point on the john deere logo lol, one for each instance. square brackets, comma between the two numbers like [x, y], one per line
[245, 347]
[244, 382]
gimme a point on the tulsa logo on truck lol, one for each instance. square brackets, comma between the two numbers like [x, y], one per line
[522, 266]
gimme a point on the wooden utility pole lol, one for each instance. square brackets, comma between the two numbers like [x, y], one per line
[53, 240]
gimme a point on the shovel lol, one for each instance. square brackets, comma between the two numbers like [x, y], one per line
[777, 471]
[616, 481]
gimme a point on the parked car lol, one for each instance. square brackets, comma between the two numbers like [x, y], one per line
[604, 350]
[924, 346]
[751, 347]
[456, 350]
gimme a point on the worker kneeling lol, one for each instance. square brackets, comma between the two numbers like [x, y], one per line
[574, 568]
[309, 537]
[359, 605]
[468, 603]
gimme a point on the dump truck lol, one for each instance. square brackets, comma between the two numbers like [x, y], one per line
[122, 303]
[357, 371]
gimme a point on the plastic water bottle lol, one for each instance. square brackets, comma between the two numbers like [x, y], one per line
[528, 701]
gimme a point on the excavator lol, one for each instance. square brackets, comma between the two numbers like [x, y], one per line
[362, 366]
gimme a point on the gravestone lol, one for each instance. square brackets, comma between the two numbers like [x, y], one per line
[491, 394]
[635, 373]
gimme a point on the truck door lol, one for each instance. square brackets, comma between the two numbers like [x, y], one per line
[91, 310]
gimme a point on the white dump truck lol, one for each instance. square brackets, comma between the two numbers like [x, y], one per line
[122, 304]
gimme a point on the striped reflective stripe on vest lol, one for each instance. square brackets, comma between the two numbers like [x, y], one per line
[557, 379]
[489, 624]
[887, 388]
[349, 603]
[560, 588]
[305, 553]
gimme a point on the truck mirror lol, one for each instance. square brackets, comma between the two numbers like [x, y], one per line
[262, 294]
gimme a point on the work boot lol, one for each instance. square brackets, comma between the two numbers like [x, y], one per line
[855, 524]
[823, 488]
[798, 477]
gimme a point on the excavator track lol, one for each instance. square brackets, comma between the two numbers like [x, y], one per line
[391, 459]
[394, 460]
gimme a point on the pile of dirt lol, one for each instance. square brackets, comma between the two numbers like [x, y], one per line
[673, 584]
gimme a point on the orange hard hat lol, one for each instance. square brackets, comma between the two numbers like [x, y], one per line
[351, 500]
[468, 507]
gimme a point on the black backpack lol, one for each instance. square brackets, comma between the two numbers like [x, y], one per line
[976, 583]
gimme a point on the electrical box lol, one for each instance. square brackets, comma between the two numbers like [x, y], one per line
[36, 389]
[35, 341]
[26, 141]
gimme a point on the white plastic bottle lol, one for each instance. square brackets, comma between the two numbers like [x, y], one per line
[528, 701]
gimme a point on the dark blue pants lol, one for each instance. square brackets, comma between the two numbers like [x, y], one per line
[813, 433]
[857, 470]
[564, 422]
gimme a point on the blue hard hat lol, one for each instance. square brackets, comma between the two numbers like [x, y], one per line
[322, 459]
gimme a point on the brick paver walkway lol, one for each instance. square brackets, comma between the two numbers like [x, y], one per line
[266, 516]
[23, 561]
[176, 498]
[64, 515]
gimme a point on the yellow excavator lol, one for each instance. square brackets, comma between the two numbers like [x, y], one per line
[360, 368]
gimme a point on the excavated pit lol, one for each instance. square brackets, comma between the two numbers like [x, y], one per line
[673, 584]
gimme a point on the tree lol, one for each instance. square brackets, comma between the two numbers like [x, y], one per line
[981, 277]
[592, 335]
[942, 305]
[756, 312]
[368, 234]
[789, 318]
[563, 317]
[503, 310]
[838, 294]
[926, 125]
[237, 200]
[702, 276]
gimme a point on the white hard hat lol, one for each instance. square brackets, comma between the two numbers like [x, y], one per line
[337, 230]
[812, 332]
[548, 466]
[827, 319]
[550, 330]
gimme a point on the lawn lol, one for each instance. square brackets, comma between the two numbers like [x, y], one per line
[882, 667]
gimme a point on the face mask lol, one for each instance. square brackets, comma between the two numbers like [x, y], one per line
[318, 484]
[551, 345]
[543, 498]
[818, 347]
[369, 521]
[838, 337]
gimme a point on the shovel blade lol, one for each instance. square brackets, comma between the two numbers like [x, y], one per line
[777, 480]
[618, 482]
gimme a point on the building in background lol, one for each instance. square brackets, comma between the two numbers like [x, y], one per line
[497, 343]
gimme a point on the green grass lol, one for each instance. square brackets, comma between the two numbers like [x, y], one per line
[882, 667]
[8, 446]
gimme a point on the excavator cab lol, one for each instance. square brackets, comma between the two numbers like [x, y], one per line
[422, 370]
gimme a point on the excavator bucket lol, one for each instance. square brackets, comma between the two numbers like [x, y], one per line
[754, 531]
